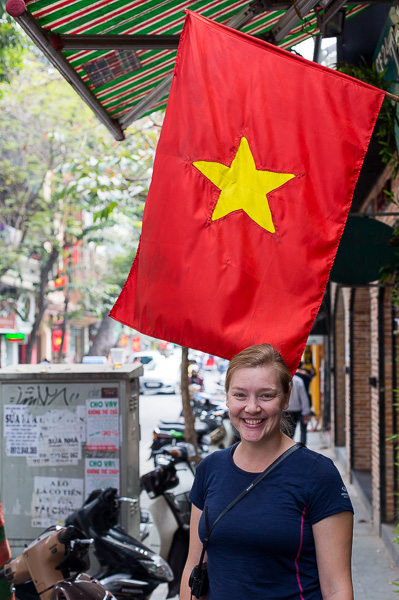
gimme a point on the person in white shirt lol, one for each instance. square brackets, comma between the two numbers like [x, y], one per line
[298, 408]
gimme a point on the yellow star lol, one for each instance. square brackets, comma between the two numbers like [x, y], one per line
[243, 186]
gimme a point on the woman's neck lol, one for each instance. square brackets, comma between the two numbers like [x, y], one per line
[256, 457]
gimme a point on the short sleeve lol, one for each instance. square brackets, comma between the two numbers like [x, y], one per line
[197, 493]
[327, 492]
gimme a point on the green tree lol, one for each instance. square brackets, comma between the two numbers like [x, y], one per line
[113, 184]
[62, 178]
[13, 43]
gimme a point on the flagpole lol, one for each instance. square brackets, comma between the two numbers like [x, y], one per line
[392, 97]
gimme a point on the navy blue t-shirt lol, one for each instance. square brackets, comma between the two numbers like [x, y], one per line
[263, 547]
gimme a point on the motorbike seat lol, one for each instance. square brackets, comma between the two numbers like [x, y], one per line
[200, 428]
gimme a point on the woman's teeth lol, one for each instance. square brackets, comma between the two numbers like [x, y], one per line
[253, 421]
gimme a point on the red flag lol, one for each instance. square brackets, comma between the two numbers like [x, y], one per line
[253, 178]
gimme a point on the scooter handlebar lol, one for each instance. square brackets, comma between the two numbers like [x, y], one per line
[70, 533]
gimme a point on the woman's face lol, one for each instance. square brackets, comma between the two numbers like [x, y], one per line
[256, 401]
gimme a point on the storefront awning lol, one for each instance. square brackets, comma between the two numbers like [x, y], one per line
[119, 55]
[366, 247]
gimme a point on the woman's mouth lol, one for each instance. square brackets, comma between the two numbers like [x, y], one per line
[253, 421]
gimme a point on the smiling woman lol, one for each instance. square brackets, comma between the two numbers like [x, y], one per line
[272, 542]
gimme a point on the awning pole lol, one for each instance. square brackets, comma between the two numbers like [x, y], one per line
[145, 104]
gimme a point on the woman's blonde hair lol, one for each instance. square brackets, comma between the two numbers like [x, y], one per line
[260, 355]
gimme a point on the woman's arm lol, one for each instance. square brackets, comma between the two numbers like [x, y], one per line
[194, 553]
[333, 540]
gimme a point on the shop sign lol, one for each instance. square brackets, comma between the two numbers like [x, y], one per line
[57, 339]
[16, 338]
[386, 55]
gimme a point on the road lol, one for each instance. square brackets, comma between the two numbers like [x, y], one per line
[167, 407]
[152, 409]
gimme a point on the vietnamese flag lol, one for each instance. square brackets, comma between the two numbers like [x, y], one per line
[253, 178]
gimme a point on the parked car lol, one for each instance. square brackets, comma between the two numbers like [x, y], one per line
[161, 373]
[146, 357]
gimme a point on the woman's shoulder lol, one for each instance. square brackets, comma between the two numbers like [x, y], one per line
[313, 462]
[319, 470]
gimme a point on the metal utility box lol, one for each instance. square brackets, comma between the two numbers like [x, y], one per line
[65, 431]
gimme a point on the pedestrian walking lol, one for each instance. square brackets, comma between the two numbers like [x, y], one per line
[298, 409]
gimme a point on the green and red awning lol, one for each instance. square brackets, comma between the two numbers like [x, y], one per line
[119, 54]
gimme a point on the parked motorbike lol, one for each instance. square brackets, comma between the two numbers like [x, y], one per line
[169, 432]
[222, 433]
[181, 454]
[206, 401]
[128, 568]
[52, 566]
[166, 516]
[212, 426]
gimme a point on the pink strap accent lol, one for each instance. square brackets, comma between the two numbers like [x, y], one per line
[297, 556]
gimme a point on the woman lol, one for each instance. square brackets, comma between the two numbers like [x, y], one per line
[290, 537]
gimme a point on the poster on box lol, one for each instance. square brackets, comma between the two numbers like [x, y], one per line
[60, 438]
[101, 473]
[54, 498]
[21, 430]
[102, 424]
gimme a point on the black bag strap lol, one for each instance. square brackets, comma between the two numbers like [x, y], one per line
[255, 482]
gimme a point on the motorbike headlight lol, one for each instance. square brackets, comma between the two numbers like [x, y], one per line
[158, 567]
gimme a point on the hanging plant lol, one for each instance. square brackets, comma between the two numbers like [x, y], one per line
[387, 127]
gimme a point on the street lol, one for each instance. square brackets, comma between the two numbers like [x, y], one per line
[152, 409]
[165, 407]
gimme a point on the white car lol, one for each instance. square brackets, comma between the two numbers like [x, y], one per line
[146, 356]
[161, 374]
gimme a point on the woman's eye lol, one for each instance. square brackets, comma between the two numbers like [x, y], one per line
[239, 395]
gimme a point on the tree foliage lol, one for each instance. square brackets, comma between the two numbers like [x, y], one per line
[13, 43]
[387, 120]
[64, 181]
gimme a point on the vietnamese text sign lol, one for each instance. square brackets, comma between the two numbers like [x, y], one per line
[55, 498]
[102, 424]
[101, 473]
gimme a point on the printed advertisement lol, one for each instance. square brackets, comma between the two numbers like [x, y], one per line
[102, 424]
[101, 473]
[21, 429]
[61, 433]
[54, 499]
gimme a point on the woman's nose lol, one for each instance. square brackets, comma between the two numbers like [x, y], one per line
[252, 405]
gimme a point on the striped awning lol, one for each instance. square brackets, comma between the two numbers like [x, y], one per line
[119, 54]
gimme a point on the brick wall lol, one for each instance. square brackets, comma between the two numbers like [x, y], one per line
[361, 427]
[390, 411]
[356, 312]
[375, 413]
[347, 297]
[339, 370]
